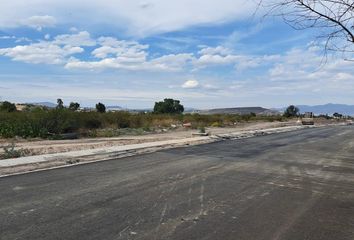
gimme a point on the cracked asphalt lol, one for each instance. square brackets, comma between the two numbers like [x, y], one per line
[296, 185]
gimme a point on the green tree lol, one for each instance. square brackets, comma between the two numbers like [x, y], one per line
[74, 106]
[100, 107]
[8, 107]
[168, 105]
[60, 103]
[291, 111]
[337, 115]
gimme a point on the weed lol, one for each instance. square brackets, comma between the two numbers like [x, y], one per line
[46, 123]
[11, 152]
[202, 129]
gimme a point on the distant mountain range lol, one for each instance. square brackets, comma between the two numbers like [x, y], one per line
[329, 109]
[45, 104]
[114, 108]
[241, 111]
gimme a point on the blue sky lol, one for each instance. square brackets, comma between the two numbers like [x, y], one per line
[208, 54]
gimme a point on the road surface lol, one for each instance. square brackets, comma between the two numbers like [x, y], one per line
[297, 185]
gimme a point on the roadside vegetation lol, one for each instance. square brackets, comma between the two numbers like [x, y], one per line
[56, 123]
[10, 151]
[71, 122]
[50, 123]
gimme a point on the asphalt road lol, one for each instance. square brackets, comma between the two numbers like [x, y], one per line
[297, 185]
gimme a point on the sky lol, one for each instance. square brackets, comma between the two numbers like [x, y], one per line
[208, 54]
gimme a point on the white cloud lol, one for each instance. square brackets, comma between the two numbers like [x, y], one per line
[296, 76]
[219, 50]
[297, 65]
[77, 39]
[73, 29]
[190, 84]
[209, 60]
[214, 56]
[111, 53]
[7, 37]
[22, 39]
[39, 22]
[301, 71]
[345, 76]
[175, 62]
[222, 56]
[134, 16]
[139, 62]
[57, 51]
[124, 49]
[43, 52]
[129, 55]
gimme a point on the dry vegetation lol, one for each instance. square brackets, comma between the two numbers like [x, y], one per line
[54, 123]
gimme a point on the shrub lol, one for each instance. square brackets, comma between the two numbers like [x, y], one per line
[92, 123]
[46, 123]
[202, 129]
[8, 107]
[11, 152]
[216, 124]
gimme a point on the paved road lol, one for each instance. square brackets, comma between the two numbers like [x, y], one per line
[297, 185]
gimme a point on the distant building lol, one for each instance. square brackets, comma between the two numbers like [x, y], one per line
[21, 107]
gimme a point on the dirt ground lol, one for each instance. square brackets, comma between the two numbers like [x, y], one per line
[38, 147]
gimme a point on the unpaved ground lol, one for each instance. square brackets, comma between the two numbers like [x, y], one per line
[39, 147]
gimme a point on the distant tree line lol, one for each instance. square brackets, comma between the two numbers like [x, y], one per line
[293, 111]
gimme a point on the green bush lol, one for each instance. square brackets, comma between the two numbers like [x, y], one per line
[11, 152]
[216, 124]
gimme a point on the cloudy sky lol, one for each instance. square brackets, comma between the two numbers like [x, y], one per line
[208, 54]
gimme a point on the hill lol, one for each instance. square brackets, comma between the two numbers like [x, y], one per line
[45, 104]
[240, 111]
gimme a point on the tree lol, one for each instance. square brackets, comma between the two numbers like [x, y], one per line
[100, 107]
[169, 106]
[291, 111]
[74, 106]
[337, 115]
[334, 17]
[60, 103]
[8, 107]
